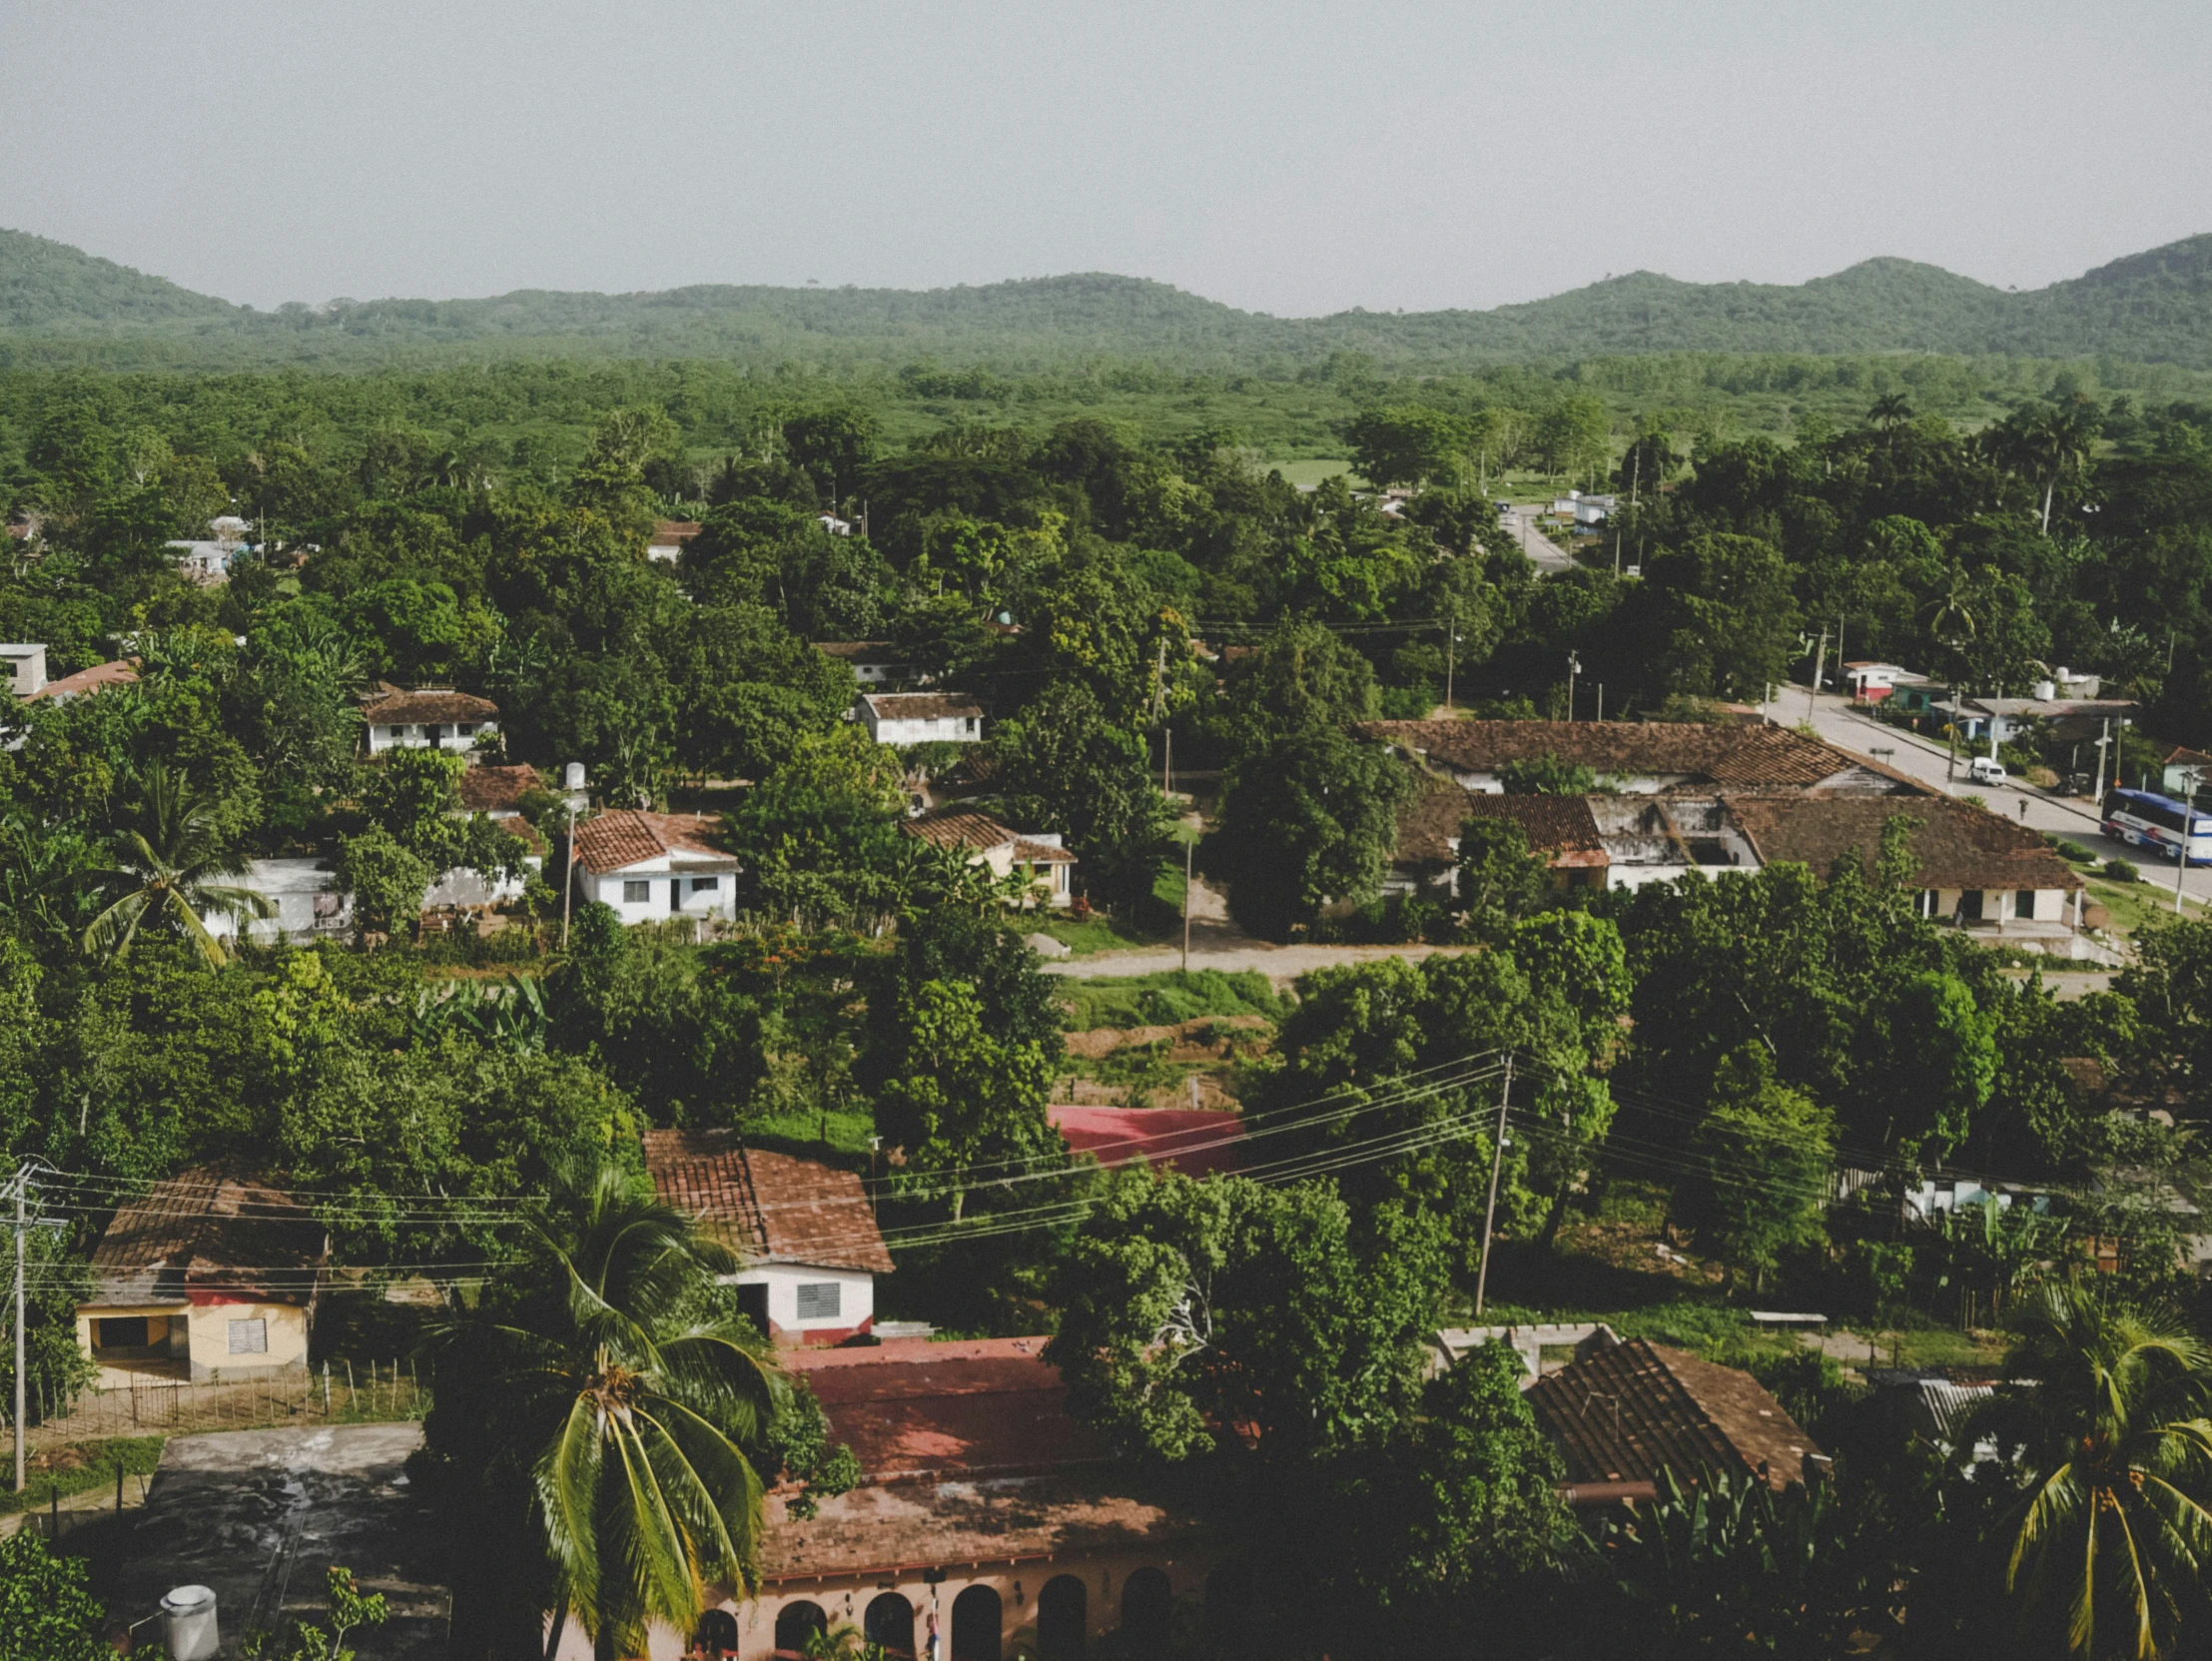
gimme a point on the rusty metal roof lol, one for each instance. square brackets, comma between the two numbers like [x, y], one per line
[768, 1207]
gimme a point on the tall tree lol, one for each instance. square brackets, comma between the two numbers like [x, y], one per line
[166, 872]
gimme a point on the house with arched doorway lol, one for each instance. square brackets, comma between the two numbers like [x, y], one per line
[990, 1524]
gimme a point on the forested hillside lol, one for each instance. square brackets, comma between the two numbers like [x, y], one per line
[2154, 308]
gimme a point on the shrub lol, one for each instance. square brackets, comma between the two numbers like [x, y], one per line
[2119, 870]
[2076, 852]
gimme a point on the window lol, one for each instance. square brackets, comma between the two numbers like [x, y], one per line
[636, 892]
[467, 728]
[127, 1332]
[818, 1299]
[971, 723]
[2023, 903]
[249, 1337]
[705, 885]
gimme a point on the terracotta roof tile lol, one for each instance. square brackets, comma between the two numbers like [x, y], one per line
[858, 651]
[956, 828]
[629, 836]
[487, 789]
[677, 532]
[1956, 844]
[207, 1230]
[1559, 826]
[86, 680]
[768, 1207]
[1625, 1413]
[394, 706]
[1750, 757]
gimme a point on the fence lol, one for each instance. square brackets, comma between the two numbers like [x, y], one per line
[336, 1393]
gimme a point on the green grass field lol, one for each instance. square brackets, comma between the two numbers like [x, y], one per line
[1310, 473]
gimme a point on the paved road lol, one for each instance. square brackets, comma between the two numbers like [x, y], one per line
[1548, 554]
[2073, 817]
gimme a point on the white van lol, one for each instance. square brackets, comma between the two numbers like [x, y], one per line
[1985, 770]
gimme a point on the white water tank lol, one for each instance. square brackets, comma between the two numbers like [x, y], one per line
[188, 1624]
[2045, 691]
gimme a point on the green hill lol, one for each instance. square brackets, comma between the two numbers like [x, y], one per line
[2149, 307]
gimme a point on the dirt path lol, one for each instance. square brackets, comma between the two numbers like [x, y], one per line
[1218, 943]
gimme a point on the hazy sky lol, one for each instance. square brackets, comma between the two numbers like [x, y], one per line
[1291, 158]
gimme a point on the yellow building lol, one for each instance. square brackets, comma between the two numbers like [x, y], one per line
[208, 1277]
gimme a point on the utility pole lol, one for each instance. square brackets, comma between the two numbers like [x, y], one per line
[1950, 758]
[1167, 764]
[1451, 646]
[574, 779]
[2188, 823]
[2104, 740]
[22, 1187]
[1819, 662]
[1188, 845]
[1574, 669]
[1497, 1162]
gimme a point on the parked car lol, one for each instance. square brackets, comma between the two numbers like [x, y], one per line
[1983, 770]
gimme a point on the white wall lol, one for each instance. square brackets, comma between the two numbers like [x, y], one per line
[691, 901]
[954, 729]
[410, 736]
[856, 1295]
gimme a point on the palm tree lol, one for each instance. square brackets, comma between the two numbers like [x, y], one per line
[604, 1386]
[164, 869]
[2115, 1521]
[1890, 412]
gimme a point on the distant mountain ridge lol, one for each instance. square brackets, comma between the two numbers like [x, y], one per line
[2154, 306]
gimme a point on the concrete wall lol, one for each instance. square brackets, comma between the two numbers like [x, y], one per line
[844, 1601]
[691, 901]
[205, 1331]
[856, 1300]
[387, 735]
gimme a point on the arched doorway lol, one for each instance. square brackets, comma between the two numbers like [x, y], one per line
[717, 1634]
[1062, 1608]
[1145, 1605]
[795, 1624]
[1228, 1609]
[890, 1622]
[978, 1621]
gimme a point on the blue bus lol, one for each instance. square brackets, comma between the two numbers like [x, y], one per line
[2148, 820]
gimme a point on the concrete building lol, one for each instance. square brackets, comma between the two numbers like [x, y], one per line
[873, 662]
[669, 539]
[23, 667]
[989, 1524]
[919, 717]
[208, 1277]
[1036, 856]
[427, 717]
[805, 1231]
[653, 866]
[310, 904]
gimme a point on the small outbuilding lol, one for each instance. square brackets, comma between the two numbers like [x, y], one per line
[210, 1278]
[919, 717]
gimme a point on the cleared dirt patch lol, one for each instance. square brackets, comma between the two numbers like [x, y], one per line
[1100, 1042]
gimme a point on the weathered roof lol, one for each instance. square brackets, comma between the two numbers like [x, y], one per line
[1727, 753]
[771, 1207]
[668, 533]
[205, 1230]
[1559, 826]
[920, 706]
[959, 828]
[1626, 1412]
[629, 836]
[488, 789]
[914, 1407]
[390, 705]
[2183, 756]
[119, 673]
[1954, 844]
[858, 651]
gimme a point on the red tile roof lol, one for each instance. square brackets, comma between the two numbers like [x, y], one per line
[1625, 1413]
[911, 1407]
[86, 680]
[956, 828]
[390, 705]
[627, 836]
[673, 531]
[1750, 757]
[771, 1207]
[487, 789]
[206, 1231]
[1954, 844]
[1558, 826]
[1192, 1141]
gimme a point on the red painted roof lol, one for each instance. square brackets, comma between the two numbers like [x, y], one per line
[911, 1407]
[1193, 1141]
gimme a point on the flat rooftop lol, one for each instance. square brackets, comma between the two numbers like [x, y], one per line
[260, 1515]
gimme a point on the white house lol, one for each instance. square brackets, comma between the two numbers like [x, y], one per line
[1037, 855]
[649, 866]
[805, 1231]
[25, 668]
[873, 662]
[919, 717]
[1870, 681]
[670, 537]
[310, 904]
[428, 717]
